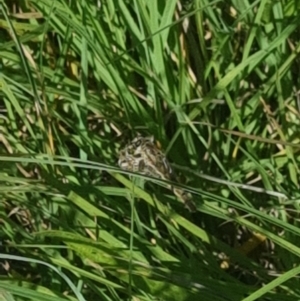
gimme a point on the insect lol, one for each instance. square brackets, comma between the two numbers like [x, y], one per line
[143, 156]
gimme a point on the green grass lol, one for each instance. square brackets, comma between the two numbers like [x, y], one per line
[216, 83]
